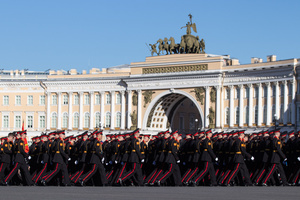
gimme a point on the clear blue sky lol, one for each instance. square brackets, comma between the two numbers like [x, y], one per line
[65, 34]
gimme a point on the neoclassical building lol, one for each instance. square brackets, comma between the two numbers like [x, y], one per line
[177, 91]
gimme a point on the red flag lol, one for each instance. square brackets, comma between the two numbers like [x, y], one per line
[23, 126]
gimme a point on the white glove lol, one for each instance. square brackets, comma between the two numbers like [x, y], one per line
[143, 160]
[42, 162]
[76, 162]
[252, 158]
[69, 159]
[116, 162]
[298, 158]
[178, 161]
[285, 160]
[217, 159]
[29, 157]
[102, 160]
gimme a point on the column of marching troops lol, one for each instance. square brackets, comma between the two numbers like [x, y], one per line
[267, 158]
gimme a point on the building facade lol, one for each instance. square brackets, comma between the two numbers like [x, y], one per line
[177, 91]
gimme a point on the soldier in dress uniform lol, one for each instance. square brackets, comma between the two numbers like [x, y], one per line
[6, 154]
[20, 161]
[59, 161]
[135, 160]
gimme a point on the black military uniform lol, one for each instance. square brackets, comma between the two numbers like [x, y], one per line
[207, 159]
[59, 161]
[20, 163]
[6, 157]
[135, 160]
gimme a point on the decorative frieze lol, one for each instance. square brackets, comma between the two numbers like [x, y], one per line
[187, 68]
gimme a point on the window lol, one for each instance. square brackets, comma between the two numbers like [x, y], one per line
[76, 120]
[42, 100]
[246, 115]
[18, 122]
[237, 93]
[97, 99]
[289, 113]
[86, 120]
[227, 116]
[227, 93]
[118, 98]
[273, 111]
[256, 92]
[76, 99]
[5, 121]
[42, 121]
[192, 122]
[282, 89]
[281, 113]
[118, 122]
[107, 98]
[6, 100]
[29, 121]
[290, 89]
[237, 115]
[97, 119]
[247, 90]
[86, 99]
[273, 90]
[54, 99]
[107, 119]
[54, 120]
[30, 100]
[65, 120]
[265, 91]
[181, 121]
[18, 100]
[256, 115]
[265, 115]
[298, 87]
[65, 99]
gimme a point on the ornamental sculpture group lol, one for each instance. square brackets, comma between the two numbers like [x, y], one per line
[189, 43]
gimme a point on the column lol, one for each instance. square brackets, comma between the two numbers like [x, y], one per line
[250, 107]
[112, 110]
[206, 119]
[231, 106]
[129, 107]
[259, 105]
[293, 120]
[48, 111]
[269, 105]
[70, 110]
[241, 106]
[102, 109]
[122, 93]
[59, 111]
[139, 109]
[80, 111]
[218, 102]
[277, 105]
[92, 110]
[285, 102]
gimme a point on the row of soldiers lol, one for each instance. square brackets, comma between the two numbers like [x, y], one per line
[265, 158]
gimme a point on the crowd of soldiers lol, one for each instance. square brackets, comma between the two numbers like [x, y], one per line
[267, 158]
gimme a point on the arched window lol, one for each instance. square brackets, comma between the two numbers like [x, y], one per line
[118, 122]
[227, 116]
[86, 120]
[237, 115]
[76, 120]
[54, 120]
[65, 120]
[107, 120]
[97, 119]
